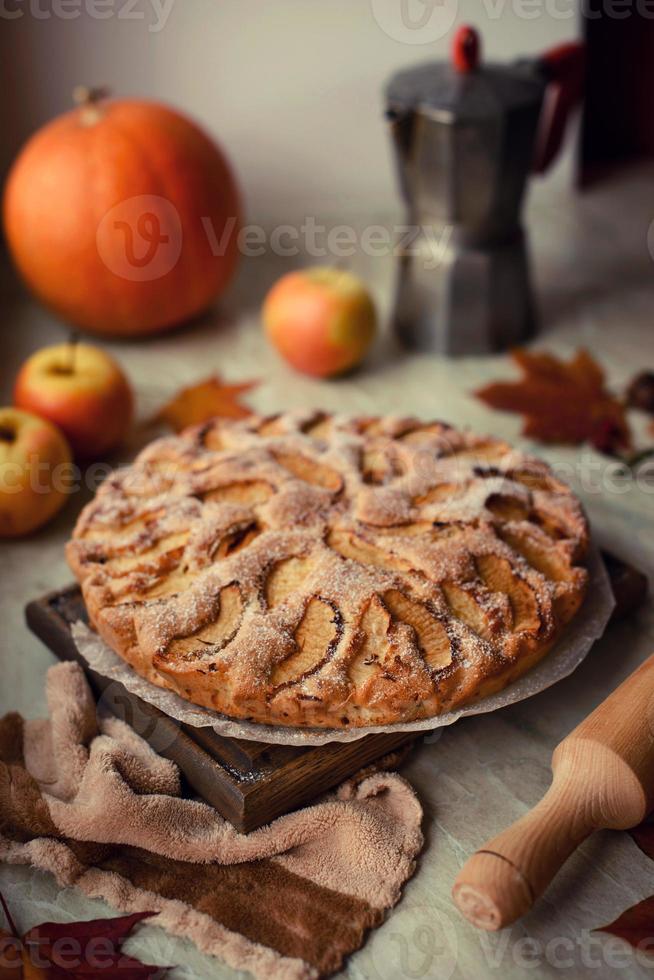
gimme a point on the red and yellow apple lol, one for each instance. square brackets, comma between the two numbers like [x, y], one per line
[322, 320]
[35, 472]
[82, 390]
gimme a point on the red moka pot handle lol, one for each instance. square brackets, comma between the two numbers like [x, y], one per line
[564, 67]
[466, 49]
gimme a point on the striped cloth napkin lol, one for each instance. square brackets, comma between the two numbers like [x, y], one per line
[83, 797]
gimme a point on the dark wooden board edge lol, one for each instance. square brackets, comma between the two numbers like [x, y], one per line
[630, 586]
[167, 737]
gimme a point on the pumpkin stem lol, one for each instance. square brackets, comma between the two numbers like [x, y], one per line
[89, 99]
[88, 95]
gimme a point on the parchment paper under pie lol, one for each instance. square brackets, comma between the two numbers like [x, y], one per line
[587, 627]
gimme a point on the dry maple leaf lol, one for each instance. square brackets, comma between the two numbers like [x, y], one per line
[565, 402]
[643, 835]
[69, 950]
[640, 392]
[635, 926]
[203, 401]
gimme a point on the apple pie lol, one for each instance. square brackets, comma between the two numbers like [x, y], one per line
[310, 569]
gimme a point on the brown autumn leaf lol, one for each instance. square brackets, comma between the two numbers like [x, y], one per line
[635, 926]
[69, 950]
[643, 835]
[203, 401]
[640, 392]
[562, 401]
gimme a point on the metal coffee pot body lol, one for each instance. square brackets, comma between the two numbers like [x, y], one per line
[465, 139]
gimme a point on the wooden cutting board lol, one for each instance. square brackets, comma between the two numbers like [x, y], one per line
[249, 783]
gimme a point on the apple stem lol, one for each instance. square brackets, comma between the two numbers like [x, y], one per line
[73, 341]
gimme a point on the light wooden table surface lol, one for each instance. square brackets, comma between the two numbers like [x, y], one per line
[596, 280]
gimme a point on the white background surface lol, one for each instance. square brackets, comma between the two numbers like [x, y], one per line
[291, 88]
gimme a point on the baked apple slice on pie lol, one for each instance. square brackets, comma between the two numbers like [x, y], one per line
[316, 570]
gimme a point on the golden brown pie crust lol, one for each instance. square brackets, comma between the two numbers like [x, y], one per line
[316, 570]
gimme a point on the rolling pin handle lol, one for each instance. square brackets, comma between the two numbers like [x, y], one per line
[501, 882]
[491, 892]
[603, 778]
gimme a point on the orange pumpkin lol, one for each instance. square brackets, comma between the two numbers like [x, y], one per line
[123, 217]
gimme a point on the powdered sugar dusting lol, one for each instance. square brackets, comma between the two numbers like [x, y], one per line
[181, 545]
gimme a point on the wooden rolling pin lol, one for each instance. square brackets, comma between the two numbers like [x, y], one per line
[603, 777]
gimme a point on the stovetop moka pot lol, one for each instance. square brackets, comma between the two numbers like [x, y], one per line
[466, 137]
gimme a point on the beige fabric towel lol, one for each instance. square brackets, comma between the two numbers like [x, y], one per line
[84, 797]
